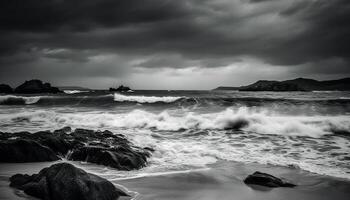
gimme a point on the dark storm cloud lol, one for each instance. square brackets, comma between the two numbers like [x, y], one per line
[50, 15]
[176, 34]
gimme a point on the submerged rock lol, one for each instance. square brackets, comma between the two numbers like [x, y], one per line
[64, 181]
[100, 147]
[36, 86]
[25, 151]
[263, 179]
[6, 89]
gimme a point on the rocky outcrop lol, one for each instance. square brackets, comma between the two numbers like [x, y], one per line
[263, 179]
[119, 157]
[63, 181]
[36, 86]
[100, 147]
[25, 151]
[121, 88]
[5, 89]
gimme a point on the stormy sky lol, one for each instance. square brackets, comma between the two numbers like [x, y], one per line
[172, 44]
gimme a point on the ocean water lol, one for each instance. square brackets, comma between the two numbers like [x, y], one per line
[195, 130]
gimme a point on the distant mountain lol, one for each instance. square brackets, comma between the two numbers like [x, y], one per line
[299, 84]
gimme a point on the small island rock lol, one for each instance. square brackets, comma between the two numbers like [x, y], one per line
[36, 86]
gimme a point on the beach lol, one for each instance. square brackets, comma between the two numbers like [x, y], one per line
[223, 181]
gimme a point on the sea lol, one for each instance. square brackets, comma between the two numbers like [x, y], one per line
[195, 130]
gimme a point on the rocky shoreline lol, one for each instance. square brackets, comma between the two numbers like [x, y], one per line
[66, 181]
[99, 147]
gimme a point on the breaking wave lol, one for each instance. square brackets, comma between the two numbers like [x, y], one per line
[242, 119]
[11, 99]
[145, 99]
[190, 139]
[73, 91]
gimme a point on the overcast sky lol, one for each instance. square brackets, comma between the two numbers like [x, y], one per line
[172, 44]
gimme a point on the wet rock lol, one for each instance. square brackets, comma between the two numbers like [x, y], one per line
[122, 157]
[25, 151]
[64, 181]
[58, 145]
[263, 179]
[5, 89]
[100, 147]
[62, 131]
[36, 86]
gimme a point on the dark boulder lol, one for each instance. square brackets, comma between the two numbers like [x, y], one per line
[36, 86]
[63, 181]
[121, 157]
[263, 179]
[25, 151]
[100, 147]
[58, 145]
[6, 89]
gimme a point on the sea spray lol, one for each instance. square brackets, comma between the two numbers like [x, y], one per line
[244, 119]
[145, 99]
[11, 99]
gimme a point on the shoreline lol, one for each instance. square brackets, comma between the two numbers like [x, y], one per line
[223, 180]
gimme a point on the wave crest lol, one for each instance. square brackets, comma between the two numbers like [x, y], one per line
[10, 99]
[145, 99]
[243, 119]
[73, 91]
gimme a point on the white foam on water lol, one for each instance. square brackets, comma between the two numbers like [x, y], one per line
[270, 138]
[26, 100]
[145, 99]
[73, 91]
[242, 119]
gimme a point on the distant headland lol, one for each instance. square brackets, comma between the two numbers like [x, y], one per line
[30, 87]
[299, 84]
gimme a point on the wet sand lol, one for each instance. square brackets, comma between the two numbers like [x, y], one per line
[222, 181]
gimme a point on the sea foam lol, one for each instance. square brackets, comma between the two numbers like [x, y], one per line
[243, 119]
[145, 99]
[73, 91]
[11, 99]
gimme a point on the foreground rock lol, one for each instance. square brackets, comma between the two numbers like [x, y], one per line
[25, 151]
[100, 147]
[36, 86]
[121, 157]
[63, 181]
[263, 179]
[6, 89]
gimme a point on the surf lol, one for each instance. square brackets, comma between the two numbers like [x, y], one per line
[11, 99]
[145, 99]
